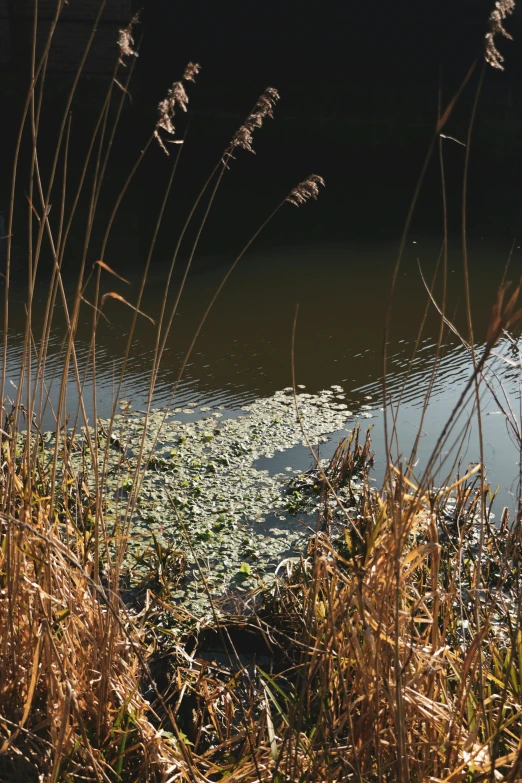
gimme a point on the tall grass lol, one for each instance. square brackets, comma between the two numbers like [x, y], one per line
[394, 647]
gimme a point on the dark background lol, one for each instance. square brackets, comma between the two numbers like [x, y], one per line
[360, 84]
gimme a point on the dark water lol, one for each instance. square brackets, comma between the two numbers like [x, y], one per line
[342, 290]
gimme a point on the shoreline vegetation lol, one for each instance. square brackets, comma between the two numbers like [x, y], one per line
[153, 627]
[293, 679]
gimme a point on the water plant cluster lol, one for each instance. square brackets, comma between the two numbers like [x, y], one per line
[203, 494]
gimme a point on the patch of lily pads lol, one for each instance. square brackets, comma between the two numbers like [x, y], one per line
[201, 494]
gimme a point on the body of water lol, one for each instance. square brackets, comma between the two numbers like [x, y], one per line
[342, 289]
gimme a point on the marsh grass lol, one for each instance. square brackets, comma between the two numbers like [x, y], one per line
[391, 651]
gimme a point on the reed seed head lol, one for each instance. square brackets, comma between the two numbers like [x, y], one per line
[264, 107]
[191, 70]
[307, 189]
[502, 9]
[126, 40]
[176, 97]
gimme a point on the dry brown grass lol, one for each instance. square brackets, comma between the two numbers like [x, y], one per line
[72, 664]
[377, 658]
[383, 661]
[405, 672]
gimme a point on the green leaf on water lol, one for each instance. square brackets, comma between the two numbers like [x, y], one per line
[205, 535]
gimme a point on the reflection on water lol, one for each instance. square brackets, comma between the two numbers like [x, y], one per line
[342, 291]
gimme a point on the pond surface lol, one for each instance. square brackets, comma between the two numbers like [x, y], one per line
[342, 290]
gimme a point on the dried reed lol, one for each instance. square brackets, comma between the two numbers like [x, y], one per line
[176, 97]
[501, 10]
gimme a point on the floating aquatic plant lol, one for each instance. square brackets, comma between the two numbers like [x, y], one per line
[233, 511]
